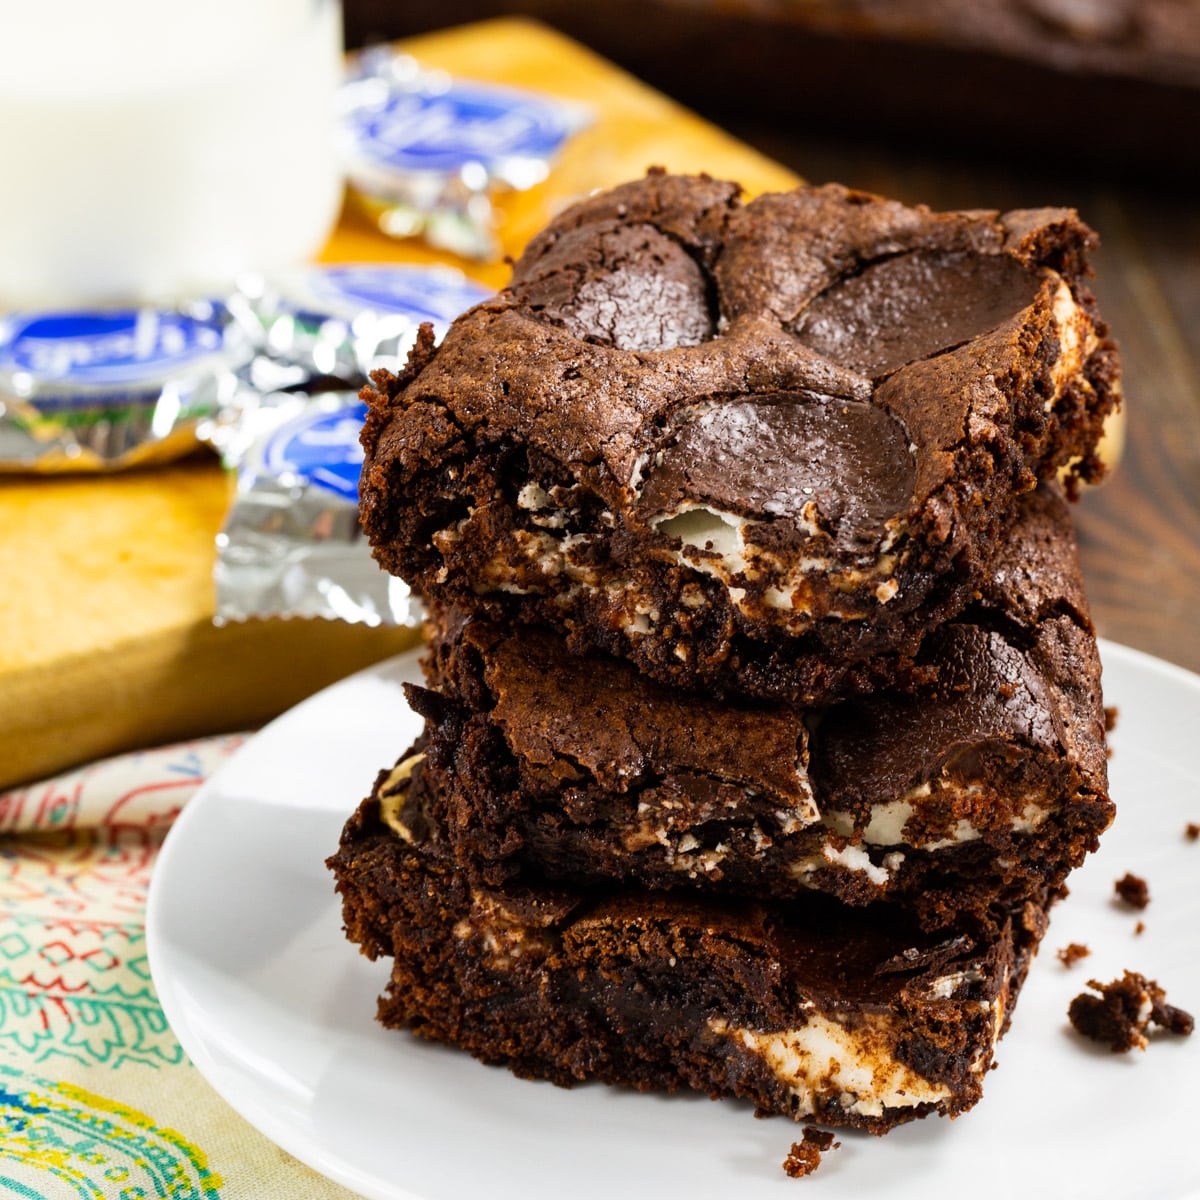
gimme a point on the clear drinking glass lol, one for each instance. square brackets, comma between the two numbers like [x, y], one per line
[154, 149]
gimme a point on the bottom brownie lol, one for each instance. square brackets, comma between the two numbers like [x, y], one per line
[806, 1008]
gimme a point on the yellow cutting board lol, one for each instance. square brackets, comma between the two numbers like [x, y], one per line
[106, 634]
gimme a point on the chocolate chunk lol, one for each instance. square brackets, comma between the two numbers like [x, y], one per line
[989, 709]
[803, 460]
[630, 287]
[912, 306]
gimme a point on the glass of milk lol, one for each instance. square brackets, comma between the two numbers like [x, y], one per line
[153, 150]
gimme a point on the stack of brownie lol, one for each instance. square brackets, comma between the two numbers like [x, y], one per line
[763, 717]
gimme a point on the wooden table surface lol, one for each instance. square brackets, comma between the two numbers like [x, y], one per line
[1140, 531]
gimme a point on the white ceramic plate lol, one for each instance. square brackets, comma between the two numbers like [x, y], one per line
[276, 1008]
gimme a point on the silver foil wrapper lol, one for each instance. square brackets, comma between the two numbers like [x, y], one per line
[341, 322]
[291, 544]
[426, 152]
[108, 389]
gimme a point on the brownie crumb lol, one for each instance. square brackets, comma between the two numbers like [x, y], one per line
[1110, 718]
[1192, 832]
[805, 1156]
[1120, 1016]
[1133, 890]
[1070, 955]
[1139, 928]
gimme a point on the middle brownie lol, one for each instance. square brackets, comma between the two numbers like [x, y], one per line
[761, 448]
[979, 782]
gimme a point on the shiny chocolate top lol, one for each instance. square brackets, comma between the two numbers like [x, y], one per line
[630, 287]
[668, 295]
[844, 466]
[914, 305]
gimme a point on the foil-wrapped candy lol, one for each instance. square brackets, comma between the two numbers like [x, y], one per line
[427, 152]
[107, 389]
[291, 544]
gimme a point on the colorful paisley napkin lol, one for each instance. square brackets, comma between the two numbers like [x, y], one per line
[97, 1099]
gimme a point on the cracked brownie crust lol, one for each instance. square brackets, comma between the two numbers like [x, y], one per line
[811, 1011]
[760, 447]
[981, 781]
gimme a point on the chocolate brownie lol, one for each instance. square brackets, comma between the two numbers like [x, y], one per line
[805, 1155]
[1133, 890]
[847, 1016]
[759, 447]
[1121, 1015]
[1071, 953]
[981, 782]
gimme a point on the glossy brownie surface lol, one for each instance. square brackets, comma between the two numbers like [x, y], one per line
[761, 447]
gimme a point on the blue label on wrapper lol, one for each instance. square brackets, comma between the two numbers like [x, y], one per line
[113, 349]
[422, 293]
[466, 123]
[320, 449]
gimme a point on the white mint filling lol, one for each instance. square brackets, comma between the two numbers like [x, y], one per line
[886, 822]
[682, 852]
[849, 858]
[823, 1058]
[963, 831]
[1076, 341]
[391, 797]
[543, 509]
[713, 542]
[855, 858]
[886, 826]
[1032, 815]
[533, 497]
[947, 985]
[700, 528]
[719, 544]
[503, 936]
[550, 556]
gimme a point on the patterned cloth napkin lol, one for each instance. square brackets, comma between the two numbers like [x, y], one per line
[97, 1099]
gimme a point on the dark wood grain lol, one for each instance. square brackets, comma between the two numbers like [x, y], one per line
[1124, 94]
[1140, 533]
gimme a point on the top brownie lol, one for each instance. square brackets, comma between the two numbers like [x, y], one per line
[758, 447]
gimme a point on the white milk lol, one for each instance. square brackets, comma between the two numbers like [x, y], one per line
[155, 148]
